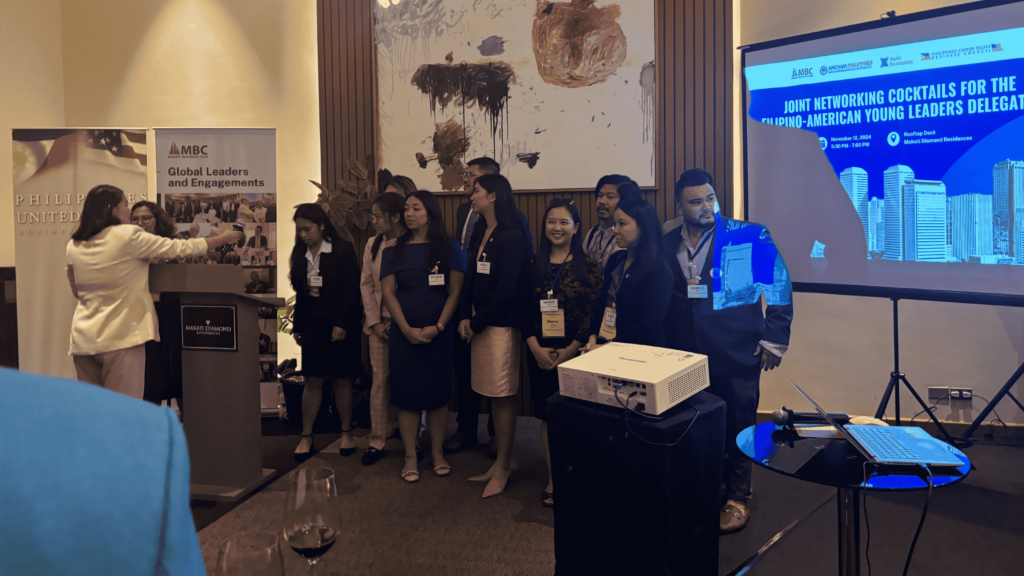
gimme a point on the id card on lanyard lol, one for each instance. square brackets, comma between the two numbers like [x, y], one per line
[435, 278]
[482, 266]
[552, 319]
[694, 289]
[608, 330]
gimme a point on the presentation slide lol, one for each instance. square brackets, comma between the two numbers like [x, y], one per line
[924, 144]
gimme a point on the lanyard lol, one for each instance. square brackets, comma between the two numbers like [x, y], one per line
[700, 246]
[609, 244]
[554, 281]
[618, 283]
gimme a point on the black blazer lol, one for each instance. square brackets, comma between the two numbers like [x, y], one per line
[728, 337]
[641, 301]
[340, 272]
[494, 295]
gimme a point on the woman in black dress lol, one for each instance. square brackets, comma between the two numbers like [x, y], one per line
[421, 279]
[560, 288]
[325, 277]
[489, 310]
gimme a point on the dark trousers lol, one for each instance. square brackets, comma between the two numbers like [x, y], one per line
[741, 395]
[468, 417]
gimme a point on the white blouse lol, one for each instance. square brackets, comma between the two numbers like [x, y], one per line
[115, 309]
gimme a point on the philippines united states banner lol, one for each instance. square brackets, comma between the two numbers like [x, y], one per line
[53, 171]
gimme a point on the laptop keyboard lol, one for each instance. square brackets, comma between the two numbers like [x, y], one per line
[881, 441]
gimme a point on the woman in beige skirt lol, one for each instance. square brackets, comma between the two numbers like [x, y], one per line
[489, 305]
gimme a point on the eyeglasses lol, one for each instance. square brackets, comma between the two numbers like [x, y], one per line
[142, 219]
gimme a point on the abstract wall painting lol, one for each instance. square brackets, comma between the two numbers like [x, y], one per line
[560, 93]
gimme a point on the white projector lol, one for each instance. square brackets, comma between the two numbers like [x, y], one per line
[660, 377]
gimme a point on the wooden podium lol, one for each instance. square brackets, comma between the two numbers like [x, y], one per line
[210, 329]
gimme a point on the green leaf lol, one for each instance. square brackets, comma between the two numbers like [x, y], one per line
[344, 201]
[327, 193]
[350, 188]
[359, 219]
[357, 169]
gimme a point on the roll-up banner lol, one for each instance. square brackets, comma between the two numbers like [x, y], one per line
[53, 171]
[212, 179]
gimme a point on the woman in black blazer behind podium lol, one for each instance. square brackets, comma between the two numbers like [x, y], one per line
[327, 322]
[637, 282]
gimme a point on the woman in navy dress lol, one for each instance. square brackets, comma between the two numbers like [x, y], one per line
[421, 279]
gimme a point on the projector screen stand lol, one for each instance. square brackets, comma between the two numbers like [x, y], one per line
[895, 377]
[967, 439]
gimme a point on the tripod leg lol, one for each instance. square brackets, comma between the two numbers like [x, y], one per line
[945, 435]
[894, 379]
[1015, 401]
[966, 437]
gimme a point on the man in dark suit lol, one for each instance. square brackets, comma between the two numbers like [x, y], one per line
[188, 210]
[468, 400]
[258, 240]
[722, 268]
[257, 286]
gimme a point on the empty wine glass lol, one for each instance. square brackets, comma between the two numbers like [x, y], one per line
[250, 554]
[311, 516]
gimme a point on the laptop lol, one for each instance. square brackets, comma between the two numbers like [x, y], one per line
[892, 445]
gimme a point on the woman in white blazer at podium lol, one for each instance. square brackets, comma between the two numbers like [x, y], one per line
[108, 269]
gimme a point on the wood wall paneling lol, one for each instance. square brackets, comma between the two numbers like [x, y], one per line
[693, 125]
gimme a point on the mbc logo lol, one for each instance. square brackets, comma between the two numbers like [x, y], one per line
[187, 150]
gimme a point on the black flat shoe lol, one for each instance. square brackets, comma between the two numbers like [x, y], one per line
[347, 451]
[371, 456]
[303, 456]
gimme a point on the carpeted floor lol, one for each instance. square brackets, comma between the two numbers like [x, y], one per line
[442, 526]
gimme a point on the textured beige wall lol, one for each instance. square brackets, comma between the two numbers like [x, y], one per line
[203, 63]
[842, 349]
[31, 89]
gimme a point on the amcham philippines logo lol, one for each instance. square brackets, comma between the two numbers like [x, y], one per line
[187, 151]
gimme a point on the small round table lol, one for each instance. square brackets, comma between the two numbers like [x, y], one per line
[834, 462]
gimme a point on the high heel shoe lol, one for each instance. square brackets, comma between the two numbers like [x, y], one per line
[303, 456]
[490, 492]
[347, 451]
[486, 476]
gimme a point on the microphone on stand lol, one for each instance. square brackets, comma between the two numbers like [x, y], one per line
[786, 417]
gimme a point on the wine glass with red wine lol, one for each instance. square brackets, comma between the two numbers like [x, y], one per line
[311, 516]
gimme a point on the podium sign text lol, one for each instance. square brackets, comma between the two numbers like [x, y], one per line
[208, 328]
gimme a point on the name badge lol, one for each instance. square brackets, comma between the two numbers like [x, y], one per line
[483, 267]
[608, 325]
[549, 305]
[316, 281]
[552, 324]
[436, 279]
[697, 291]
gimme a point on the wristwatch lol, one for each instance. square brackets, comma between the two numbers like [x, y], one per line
[440, 327]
